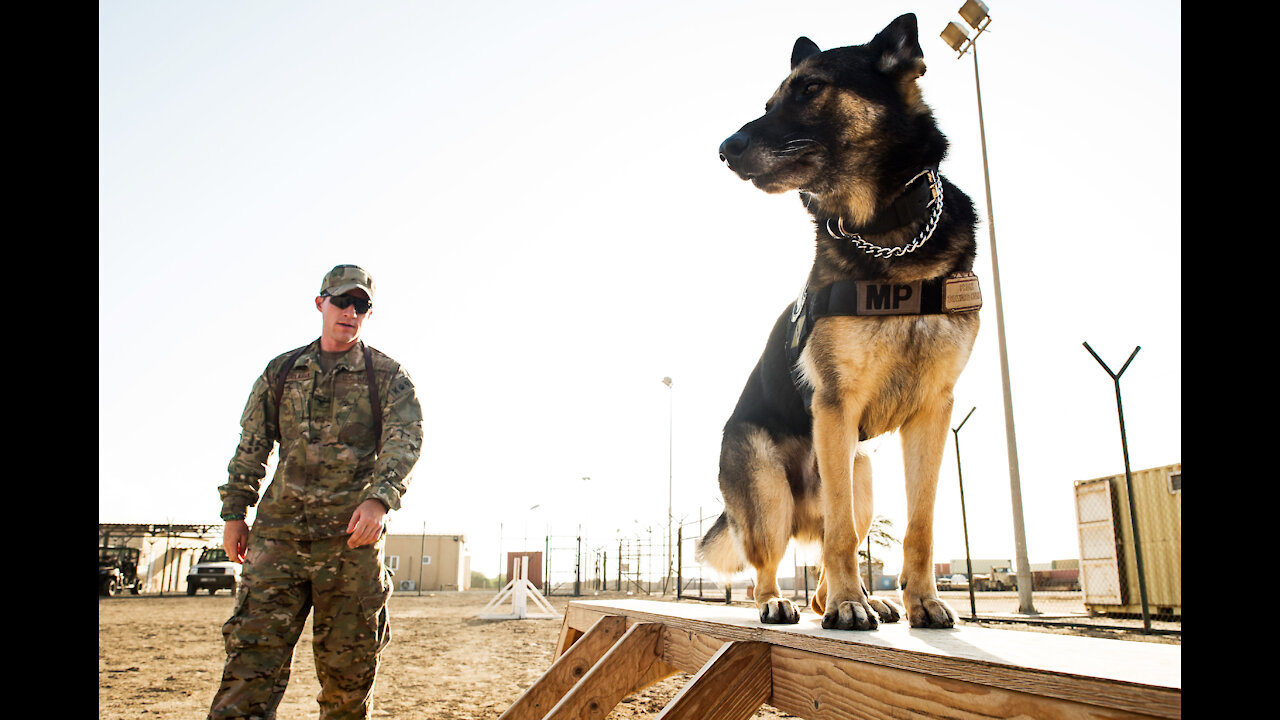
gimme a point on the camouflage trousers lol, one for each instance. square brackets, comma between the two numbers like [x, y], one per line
[281, 583]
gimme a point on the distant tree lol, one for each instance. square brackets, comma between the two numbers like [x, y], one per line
[880, 534]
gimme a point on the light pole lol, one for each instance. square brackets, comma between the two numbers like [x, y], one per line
[975, 14]
[667, 381]
[526, 526]
[585, 494]
[422, 550]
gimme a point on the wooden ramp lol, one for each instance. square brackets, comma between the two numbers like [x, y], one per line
[610, 649]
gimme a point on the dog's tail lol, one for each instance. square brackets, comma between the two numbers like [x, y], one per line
[720, 549]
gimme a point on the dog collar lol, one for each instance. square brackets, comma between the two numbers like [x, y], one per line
[920, 200]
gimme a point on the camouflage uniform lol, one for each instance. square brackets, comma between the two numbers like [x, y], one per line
[282, 582]
[297, 557]
[327, 465]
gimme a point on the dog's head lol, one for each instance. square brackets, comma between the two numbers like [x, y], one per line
[845, 127]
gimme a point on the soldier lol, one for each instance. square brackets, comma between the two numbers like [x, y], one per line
[349, 426]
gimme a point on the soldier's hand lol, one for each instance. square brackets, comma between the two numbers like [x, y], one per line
[366, 523]
[235, 539]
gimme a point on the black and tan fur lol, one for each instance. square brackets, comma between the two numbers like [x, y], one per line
[848, 128]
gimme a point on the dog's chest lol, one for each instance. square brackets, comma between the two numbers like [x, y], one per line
[887, 367]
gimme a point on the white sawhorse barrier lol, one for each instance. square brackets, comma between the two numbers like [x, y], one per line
[519, 592]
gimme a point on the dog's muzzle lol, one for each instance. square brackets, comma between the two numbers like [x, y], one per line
[731, 151]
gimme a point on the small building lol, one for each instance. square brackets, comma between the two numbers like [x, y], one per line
[428, 562]
[533, 563]
[1108, 551]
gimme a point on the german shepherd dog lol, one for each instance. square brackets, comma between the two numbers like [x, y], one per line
[848, 128]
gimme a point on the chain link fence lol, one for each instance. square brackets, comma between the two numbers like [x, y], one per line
[577, 566]
[1123, 579]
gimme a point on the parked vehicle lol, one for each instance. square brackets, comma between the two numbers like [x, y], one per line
[118, 570]
[213, 572]
[997, 579]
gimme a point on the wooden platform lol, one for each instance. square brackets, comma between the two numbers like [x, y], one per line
[609, 649]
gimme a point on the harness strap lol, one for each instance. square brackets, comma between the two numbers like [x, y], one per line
[375, 402]
[954, 293]
[288, 365]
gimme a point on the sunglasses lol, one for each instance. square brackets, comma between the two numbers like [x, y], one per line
[342, 302]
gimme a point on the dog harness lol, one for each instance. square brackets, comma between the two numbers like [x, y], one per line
[952, 294]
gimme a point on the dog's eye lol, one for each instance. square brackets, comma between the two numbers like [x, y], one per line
[812, 87]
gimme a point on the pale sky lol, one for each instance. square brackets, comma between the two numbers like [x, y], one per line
[536, 190]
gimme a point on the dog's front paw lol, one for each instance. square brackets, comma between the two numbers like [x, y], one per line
[850, 615]
[930, 612]
[888, 610]
[779, 611]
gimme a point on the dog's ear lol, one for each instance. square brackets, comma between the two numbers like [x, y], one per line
[804, 49]
[898, 49]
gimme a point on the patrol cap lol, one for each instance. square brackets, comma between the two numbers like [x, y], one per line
[345, 278]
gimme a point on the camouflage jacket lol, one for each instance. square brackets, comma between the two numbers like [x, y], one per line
[327, 464]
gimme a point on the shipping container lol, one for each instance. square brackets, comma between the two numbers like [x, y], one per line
[1108, 561]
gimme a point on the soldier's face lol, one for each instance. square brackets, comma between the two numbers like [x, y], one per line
[341, 326]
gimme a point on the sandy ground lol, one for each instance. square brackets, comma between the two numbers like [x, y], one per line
[162, 656]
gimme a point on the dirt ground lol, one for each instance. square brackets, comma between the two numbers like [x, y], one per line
[162, 656]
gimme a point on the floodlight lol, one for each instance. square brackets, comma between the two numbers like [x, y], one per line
[955, 35]
[974, 12]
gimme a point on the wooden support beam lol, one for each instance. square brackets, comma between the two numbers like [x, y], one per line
[733, 684]
[569, 667]
[613, 677]
[656, 673]
[825, 688]
[568, 636]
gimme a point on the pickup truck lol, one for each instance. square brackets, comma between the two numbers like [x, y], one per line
[213, 572]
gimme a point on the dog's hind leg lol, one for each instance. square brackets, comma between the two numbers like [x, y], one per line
[923, 438]
[758, 497]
